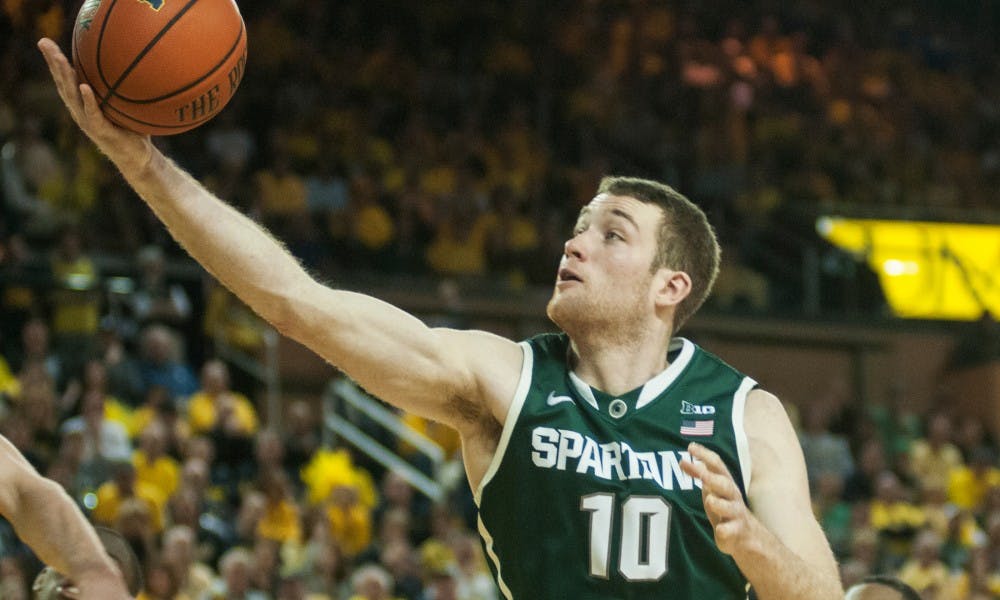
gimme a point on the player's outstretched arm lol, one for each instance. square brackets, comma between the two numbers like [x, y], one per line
[776, 541]
[449, 376]
[45, 517]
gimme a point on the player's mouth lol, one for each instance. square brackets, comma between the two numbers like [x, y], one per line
[567, 275]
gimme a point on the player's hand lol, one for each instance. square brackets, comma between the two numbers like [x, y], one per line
[730, 517]
[98, 586]
[125, 148]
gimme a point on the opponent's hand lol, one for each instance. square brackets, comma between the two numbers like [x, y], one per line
[106, 585]
[731, 519]
[125, 148]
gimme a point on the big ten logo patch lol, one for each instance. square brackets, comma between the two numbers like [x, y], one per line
[155, 4]
[87, 12]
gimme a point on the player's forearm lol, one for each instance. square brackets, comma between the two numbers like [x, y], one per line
[46, 519]
[233, 248]
[777, 573]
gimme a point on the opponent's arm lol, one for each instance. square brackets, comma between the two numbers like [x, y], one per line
[435, 373]
[45, 517]
[776, 541]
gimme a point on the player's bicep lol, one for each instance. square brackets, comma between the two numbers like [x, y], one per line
[779, 488]
[13, 471]
[436, 373]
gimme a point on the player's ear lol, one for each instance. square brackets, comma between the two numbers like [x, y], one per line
[670, 287]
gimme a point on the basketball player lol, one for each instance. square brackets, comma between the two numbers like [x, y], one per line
[881, 587]
[48, 521]
[578, 446]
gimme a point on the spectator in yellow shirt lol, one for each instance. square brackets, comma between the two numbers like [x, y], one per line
[933, 457]
[153, 466]
[280, 521]
[350, 520]
[228, 418]
[968, 484]
[215, 406]
[926, 572]
[124, 486]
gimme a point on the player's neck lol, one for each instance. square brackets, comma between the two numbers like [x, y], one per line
[618, 367]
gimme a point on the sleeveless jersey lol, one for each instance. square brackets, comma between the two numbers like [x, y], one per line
[585, 498]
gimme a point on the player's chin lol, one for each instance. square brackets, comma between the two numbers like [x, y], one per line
[563, 310]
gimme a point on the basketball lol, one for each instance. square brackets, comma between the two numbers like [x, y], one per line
[160, 67]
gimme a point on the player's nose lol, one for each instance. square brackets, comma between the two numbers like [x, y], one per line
[574, 247]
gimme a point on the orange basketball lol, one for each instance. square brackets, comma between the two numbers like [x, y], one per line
[160, 66]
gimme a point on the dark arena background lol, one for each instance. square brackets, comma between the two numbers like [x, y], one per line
[435, 154]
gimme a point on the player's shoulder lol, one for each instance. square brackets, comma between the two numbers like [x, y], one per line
[704, 359]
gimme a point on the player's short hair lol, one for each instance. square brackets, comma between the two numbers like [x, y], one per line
[686, 240]
[121, 552]
[905, 591]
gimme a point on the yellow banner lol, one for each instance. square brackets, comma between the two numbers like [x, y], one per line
[927, 270]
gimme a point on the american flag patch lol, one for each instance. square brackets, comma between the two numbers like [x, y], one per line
[697, 428]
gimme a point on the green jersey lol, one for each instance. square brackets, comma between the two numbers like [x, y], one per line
[585, 498]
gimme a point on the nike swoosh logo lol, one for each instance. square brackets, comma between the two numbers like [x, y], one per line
[553, 399]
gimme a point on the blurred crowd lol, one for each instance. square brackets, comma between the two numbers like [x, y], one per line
[459, 140]
[915, 495]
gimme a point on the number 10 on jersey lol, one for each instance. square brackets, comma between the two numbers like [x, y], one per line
[645, 535]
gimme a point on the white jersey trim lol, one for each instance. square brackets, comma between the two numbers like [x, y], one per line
[510, 421]
[739, 430]
[513, 413]
[657, 385]
[491, 553]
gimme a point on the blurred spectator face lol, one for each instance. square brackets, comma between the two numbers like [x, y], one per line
[92, 409]
[160, 582]
[328, 559]
[70, 244]
[395, 526]
[396, 490]
[235, 568]
[372, 582]
[829, 486]
[214, 377]
[153, 441]
[178, 547]
[939, 430]
[927, 548]
[125, 479]
[269, 448]
[157, 345]
[185, 507]
[888, 488]
[291, 588]
[133, 520]
[194, 474]
[300, 418]
[443, 587]
[398, 558]
[95, 375]
[872, 458]
[35, 337]
[199, 448]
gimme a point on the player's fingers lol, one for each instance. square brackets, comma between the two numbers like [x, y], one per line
[91, 108]
[63, 75]
[720, 508]
[695, 470]
[68, 591]
[712, 460]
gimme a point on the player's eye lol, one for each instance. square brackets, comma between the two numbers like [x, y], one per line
[613, 235]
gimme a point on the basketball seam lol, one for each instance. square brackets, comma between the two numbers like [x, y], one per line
[149, 46]
[211, 72]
